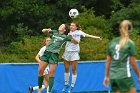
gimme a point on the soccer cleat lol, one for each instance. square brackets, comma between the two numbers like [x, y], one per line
[65, 88]
[30, 90]
[70, 89]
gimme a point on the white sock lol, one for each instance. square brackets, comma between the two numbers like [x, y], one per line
[43, 87]
[73, 80]
[66, 77]
[37, 87]
[47, 89]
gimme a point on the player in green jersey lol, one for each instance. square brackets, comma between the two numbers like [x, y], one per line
[58, 38]
[121, 53]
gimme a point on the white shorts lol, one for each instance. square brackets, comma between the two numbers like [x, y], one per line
[71, 56]
[46, 71]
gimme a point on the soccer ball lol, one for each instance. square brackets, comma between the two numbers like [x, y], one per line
[73, 13]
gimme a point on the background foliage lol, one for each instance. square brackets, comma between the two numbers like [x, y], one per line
[21, 22]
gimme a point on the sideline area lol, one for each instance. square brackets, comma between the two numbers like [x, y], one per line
[17, 77]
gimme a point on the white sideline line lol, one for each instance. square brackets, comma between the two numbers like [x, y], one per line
[59, 62]
[80, 62]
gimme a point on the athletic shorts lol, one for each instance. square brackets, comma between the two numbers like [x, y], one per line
[46, 71]
[71, 56]
[122, 85]
[51, 58]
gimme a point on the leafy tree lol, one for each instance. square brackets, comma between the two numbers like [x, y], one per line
[131, 12]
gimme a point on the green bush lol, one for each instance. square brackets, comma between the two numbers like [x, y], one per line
[22, 52]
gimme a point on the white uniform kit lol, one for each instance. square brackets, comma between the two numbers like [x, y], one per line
[72, 50]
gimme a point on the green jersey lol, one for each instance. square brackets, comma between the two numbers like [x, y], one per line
[120, 64]
[57, 40]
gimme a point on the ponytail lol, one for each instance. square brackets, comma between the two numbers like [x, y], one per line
[125, 28]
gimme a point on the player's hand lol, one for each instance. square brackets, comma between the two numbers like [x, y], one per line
[100, 38]
[69, 35]
[106, 81]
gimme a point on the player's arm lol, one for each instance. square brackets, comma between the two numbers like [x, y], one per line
[107, 69]
[46, 30]
[134, 64]
[133, 61]
[37, 58]
[73, 40]
[91, 36]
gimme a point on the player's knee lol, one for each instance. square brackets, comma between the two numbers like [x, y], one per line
[51, 74]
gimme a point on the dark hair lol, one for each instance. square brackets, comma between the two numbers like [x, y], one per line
[67, 30]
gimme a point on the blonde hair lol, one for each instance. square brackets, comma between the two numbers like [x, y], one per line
[125, 28]
[44, 41]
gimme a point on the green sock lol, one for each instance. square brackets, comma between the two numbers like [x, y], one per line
[40, 80]
[51, 81]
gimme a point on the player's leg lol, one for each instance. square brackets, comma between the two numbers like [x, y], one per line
[74, 73]
[132, 90]
[51, 76]
[46, 78]
[66, 75]
[74, 58]
[42, 66]
[46, 81]
[53, 61]
[67, 71]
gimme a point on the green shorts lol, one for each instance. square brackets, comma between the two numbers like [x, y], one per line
[51, 58]
[122, 84]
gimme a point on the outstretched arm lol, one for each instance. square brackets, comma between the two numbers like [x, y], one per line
[46, 30]
[91, 36]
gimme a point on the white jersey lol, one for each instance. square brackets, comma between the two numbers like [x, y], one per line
[77, 35]
[40, 53]
[42, 50]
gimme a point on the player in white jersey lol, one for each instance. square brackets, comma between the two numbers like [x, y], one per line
[46, 71]
[71, 54]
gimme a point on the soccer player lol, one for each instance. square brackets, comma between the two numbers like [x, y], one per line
[71, 55]
[121, 53]
[50, 56]
[46, 71]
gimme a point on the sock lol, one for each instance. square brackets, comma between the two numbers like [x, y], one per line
[73, 80]
[40, 80]
[51, 81]
[36, 87]
[66, 77]
[43, 87]
[47, 89]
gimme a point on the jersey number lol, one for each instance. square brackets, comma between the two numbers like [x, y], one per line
[117, 54]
